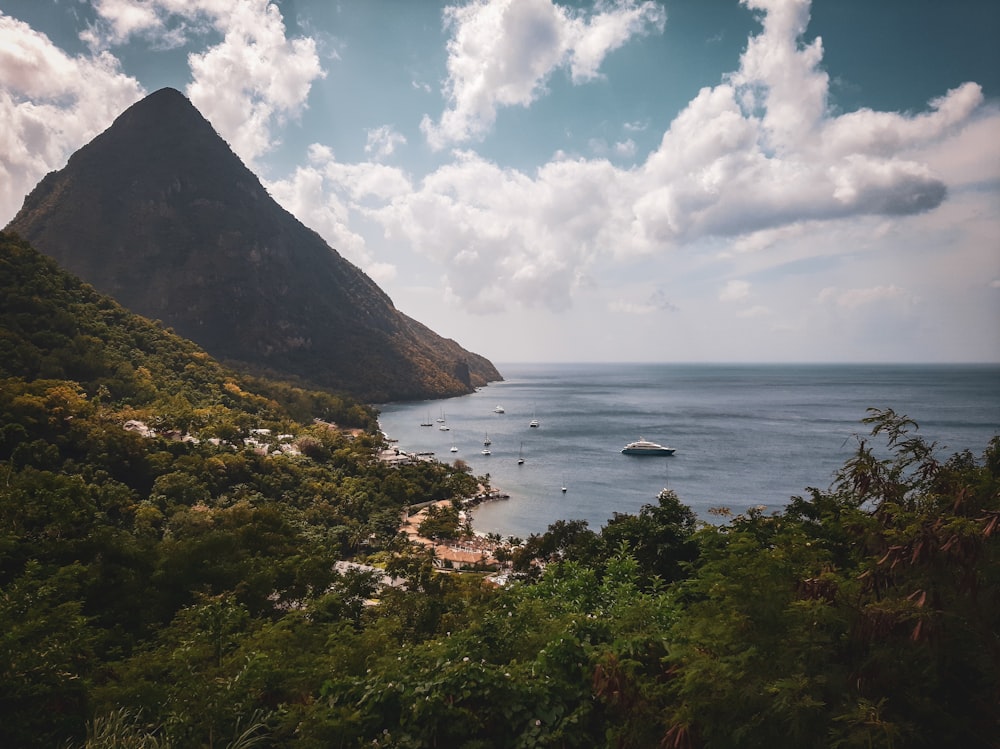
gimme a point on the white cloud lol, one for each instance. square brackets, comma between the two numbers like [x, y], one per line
[329, 196]
[735, 291]
[756, 160]
[382, 142]
[499, 228]
[590, 40]
[625, 148]
[121, 19]
[758, 310]
[502, 52]
[50, 105]
[255, 79]
[248, 84]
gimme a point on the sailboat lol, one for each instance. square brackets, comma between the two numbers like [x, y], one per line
[444, 427]
[520, 455]
[534, 422]
[487, 442]
[427, 423]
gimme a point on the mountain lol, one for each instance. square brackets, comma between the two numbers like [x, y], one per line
[158, 212]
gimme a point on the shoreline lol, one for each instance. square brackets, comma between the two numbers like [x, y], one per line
[393, 454]
[457, 553]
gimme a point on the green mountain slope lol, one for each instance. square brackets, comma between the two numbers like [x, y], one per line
[55, 327]
[140, 479]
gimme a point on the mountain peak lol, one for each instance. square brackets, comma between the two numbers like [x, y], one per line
[165, 107]
[158, 212]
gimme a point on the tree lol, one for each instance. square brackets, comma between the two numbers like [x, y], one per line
[862, 616]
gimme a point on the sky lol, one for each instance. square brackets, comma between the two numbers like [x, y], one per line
[620, 180]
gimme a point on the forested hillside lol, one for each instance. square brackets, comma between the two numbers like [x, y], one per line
[173, 584]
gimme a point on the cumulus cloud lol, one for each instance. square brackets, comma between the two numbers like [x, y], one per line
[735, 291]
[255, 78]
[51, 103]
[502, 52]
[120, 19]
[762, 151]
[248, 84]
[751, 160]
[747, 167]
[329, 196]
[382, 142]
[493, 227]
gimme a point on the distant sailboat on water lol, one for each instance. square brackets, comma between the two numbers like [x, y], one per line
[520, 455]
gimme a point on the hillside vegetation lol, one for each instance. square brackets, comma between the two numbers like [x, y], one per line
[174, 584]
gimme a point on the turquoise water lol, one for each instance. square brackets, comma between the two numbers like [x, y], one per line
[745, 435]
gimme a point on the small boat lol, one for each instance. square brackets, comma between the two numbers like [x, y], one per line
[454, 449]
[486, 451]
[520, 455]
[645, 447]
[498, 409]
[534, 420]
[487, 442]
[427, 423]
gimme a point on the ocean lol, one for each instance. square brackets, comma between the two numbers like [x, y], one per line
[744, 435]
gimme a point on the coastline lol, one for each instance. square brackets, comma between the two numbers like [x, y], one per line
[473, 549]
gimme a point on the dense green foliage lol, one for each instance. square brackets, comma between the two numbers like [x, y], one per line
[158, 592]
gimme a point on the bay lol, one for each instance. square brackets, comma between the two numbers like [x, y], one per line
[744, 435]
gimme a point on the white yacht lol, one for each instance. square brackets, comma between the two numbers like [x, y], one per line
[645, 447]
[498, 409]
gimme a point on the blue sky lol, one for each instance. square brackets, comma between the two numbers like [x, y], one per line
[643, 180]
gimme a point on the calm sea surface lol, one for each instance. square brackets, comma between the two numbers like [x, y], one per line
[745, 435]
